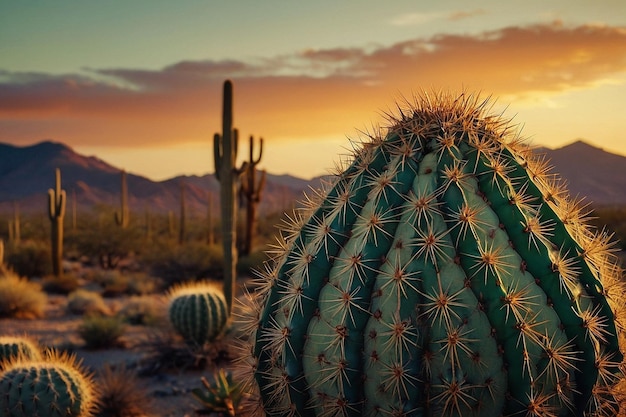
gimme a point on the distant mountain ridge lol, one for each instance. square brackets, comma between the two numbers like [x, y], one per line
[27, 172]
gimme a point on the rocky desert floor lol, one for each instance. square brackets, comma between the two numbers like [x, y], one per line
[167, 388]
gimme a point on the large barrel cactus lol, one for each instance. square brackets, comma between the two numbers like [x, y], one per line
[198, 312]
[54, 386]
[444, 272]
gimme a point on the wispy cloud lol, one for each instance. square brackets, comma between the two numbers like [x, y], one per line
[417, 18]
[305, 94]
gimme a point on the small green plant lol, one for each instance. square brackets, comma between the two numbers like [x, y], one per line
[55, 386]
[101, 332]
[20, 298]
[12, 347]
[221, 395]
[121, 393]
[198, 312]
[87, 302]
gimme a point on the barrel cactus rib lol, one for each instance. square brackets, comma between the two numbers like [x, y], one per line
[444, 272]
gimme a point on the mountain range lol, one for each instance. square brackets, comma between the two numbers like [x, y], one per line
[26, 173]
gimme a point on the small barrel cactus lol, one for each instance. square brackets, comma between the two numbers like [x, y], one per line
[444, 272]
[12, 347]
[54, 386]
[198, 311]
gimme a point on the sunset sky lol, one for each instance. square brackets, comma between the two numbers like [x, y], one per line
[138, 83]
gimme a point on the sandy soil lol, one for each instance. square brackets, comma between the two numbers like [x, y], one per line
[169, 390]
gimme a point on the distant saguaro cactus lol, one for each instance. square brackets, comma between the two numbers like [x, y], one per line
[225, 157]
[183, 209]
[14, 225]
[122, 218]
[56, 211]
[251, 190]
[209, 219]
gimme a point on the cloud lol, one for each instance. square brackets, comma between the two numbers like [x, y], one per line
[312, 93]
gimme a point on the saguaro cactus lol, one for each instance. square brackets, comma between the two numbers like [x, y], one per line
[123, 216]
[251, 190]
[15, 235]
[209, 219]
[445, 272]
[183, 215]
[56, 211]
[225, 158]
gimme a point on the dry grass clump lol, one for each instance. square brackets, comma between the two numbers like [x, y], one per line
[85, 302]
[122, 394]
[20, 298]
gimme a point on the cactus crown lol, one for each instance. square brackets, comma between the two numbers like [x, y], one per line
[12, 347]
[445, 271]
[55, 385]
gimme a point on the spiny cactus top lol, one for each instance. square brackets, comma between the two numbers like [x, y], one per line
[12, 347]
[445, 271]
[53, 386]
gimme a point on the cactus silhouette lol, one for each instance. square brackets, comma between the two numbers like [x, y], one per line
[198, 312]
[54, 386]
[252, 191]
[182, 215]
[57, 199]
[123, 216]
[444, 272]
[225, 158]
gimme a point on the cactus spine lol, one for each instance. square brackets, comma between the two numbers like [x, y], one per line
[225, 158]
[198, 312]
[123, 216]
[56, 212]
[55, 386]
[252, 190]
[445, 272]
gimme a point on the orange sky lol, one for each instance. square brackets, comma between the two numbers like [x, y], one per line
[561, 81]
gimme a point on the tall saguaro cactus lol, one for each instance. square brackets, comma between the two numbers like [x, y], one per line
[122, 218]
[14, 225]
[251, 191]
[225, 157]
[56, 211]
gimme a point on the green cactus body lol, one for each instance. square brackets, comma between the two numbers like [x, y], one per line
[55, 386]
[444, 272]
[12, 347]
[122, 218]
[56, 212]
[198, 311]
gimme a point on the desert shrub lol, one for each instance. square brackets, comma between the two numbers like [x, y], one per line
[100, 332]
[20, 298]
[64, 284]
[108, 244]
[86, 302]
[121, 393]
[29, 258]
[188, 262]
[144, 310]
[115, 282]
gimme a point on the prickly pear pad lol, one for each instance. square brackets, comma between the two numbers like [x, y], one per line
[445, 271]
